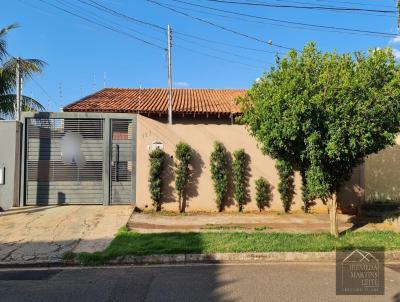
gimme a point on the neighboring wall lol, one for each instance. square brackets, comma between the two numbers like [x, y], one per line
[382, 174]
[200, 135]
[10, 160]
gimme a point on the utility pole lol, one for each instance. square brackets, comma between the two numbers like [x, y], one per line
[169, 32]
[61, 95]
[94, 81]
[18, 91]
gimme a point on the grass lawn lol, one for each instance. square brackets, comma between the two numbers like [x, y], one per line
[131, 243]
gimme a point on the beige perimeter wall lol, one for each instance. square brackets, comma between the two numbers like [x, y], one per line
[201, 136]
[378, 178]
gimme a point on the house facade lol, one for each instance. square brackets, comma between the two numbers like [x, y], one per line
[96, 152]
[200, 117]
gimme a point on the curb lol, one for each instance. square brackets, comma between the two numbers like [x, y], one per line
[32, 263]
[270, 257]
[242, 258]
[226, 258]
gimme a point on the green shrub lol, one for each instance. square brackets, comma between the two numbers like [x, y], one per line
[286, 184]
[239, 177]
[263, 193]
[219, 173]
[156, 158]
[183, 156]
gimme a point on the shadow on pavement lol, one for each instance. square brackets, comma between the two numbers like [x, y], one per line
[27, 210]
[132, 283]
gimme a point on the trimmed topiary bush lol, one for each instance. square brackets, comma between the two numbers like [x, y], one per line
[263, 193]
[239, 177]
[286, 184]
[219, 173]
[156, 158]
[183, 156]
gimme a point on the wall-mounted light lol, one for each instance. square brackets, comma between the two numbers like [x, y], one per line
[155, 145]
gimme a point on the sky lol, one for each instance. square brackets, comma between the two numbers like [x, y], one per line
[83, 57]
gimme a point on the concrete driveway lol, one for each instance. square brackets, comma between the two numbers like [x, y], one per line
[32, 234]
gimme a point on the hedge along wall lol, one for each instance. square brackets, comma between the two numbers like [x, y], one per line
[200, 134]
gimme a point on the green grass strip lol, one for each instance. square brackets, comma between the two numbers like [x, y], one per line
[131, 243]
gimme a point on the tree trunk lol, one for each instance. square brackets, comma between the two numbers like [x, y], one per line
[180, 202]
[333, 216]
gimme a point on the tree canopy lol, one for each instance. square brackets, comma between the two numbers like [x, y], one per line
[323, 113]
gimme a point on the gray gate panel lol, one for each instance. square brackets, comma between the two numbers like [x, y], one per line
[50, 180]
[123, 163]
[93, 150]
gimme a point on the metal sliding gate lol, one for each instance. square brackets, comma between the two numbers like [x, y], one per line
[122, 158]
[64, 161]
[79, 160]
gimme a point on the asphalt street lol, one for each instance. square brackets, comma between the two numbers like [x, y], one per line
[220, 282]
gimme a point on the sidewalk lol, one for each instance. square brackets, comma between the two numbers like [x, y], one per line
[266, 222]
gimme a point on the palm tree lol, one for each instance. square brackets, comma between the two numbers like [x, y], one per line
[7, 77]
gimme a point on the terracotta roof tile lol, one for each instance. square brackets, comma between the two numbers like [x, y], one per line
[155, 100]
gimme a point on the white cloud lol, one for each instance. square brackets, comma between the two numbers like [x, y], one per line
[395, 40]
[396, 53]
[182, 84]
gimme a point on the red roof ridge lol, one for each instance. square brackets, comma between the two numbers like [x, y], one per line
[166, 88]
[219, 101]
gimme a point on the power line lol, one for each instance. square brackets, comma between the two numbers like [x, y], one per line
[226, 52]
[353, 3]
[179, 46]
[90, 14]
[228, 44]
[116, 13]
[316, 26]
[220, 26]
[219, 58]
[310, 7]
[129, 18]
[322, 2]
[158, 27]
[50, 99]
[104, 26]
[387, 15]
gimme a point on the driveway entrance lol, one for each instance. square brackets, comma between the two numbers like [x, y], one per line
[72, 158]
[32, 234]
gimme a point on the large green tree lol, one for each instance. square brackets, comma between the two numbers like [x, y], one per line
[7, 77]
[323, 113]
